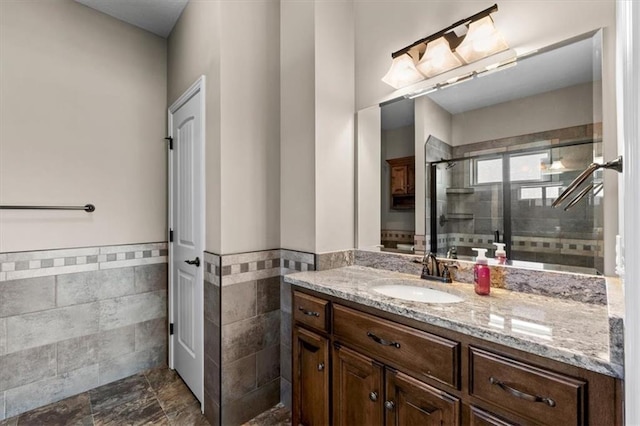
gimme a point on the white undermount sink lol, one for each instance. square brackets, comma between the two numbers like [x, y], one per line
[401, 289]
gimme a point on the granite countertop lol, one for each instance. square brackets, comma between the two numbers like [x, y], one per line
[568, 331]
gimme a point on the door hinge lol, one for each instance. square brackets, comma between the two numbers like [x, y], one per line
[171, 329]
[170, 139]
[170, 235]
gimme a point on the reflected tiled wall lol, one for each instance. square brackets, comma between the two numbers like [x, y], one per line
[74, 319]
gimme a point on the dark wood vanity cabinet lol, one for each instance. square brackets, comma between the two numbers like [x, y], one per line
[311, 371]
[379, 370]
[365, 392]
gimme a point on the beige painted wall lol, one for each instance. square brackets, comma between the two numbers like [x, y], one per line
[82, 120]
[335, 111]
[317, 126]
[297, 125]
[193, 50]
[236, 46]
[250, 125]
[567, 107]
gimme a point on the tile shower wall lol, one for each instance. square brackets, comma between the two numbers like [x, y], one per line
[74, 319]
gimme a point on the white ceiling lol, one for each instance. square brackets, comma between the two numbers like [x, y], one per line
[156, 16]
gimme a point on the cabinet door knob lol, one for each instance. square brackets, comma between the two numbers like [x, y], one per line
[321, 366]
[389, 405]
[373, 396]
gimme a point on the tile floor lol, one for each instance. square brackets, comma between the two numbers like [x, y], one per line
[155, 397]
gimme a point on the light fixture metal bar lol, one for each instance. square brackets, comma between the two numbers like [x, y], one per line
[440, 33]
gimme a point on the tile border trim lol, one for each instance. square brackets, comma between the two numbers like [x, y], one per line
[42, 263]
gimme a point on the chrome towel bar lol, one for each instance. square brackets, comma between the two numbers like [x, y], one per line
[573, 186]
[87, 208]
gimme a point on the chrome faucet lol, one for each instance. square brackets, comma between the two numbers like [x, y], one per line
[435, 270]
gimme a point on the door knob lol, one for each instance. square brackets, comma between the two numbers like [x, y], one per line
[196, 262]
[389, 405]
[373, 396]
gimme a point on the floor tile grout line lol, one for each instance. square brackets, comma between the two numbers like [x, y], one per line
[155, 395]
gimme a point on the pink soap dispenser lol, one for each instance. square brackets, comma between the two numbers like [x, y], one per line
[481, 273]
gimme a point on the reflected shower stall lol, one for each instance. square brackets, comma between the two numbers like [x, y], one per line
[505, 195]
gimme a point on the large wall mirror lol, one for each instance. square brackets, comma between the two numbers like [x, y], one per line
[482, 158]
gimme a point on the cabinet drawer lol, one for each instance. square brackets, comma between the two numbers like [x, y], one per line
[478, 417]
[417, 351]
[541, 395]
[311, 311]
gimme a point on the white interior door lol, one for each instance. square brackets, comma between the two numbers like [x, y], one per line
[187, 223]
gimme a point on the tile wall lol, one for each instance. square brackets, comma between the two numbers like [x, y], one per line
[248, 332]
[74, 319]
[212, 372]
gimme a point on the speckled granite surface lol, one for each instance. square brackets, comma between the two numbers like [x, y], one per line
[564, 330]
[566, 285]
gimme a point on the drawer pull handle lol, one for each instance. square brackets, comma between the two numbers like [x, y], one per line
[382, 341]
[308, 313]
[518, 394]
[389, 405]
[321, 366]
[373, 396]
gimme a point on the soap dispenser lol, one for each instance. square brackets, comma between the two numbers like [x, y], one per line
[481, 273]
[501, 255]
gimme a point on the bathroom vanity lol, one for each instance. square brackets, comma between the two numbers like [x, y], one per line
[362, 358]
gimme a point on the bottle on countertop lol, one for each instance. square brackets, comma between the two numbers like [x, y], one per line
[481, 273]
[501, 254]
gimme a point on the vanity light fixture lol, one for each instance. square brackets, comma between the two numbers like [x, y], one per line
[461, 43]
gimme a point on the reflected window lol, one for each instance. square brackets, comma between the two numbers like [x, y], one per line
[528, 167]
[488, 170]
[523, 168]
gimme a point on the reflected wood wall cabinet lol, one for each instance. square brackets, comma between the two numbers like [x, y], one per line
[403, 182]
[389, 370]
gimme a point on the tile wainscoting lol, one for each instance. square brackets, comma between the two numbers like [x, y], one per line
[74, 319]
[247, 332]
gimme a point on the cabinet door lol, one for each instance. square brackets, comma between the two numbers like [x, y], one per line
[310, 378]
[411, 179]
[411, 402]
[398, 180]
[357, 389]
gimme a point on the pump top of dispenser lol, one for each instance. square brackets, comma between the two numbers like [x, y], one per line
[500, 249]
[482, 255]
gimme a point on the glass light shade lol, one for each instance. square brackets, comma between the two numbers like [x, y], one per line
[482, 40]
[555, 168]
[438, 58]
[402, 73]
